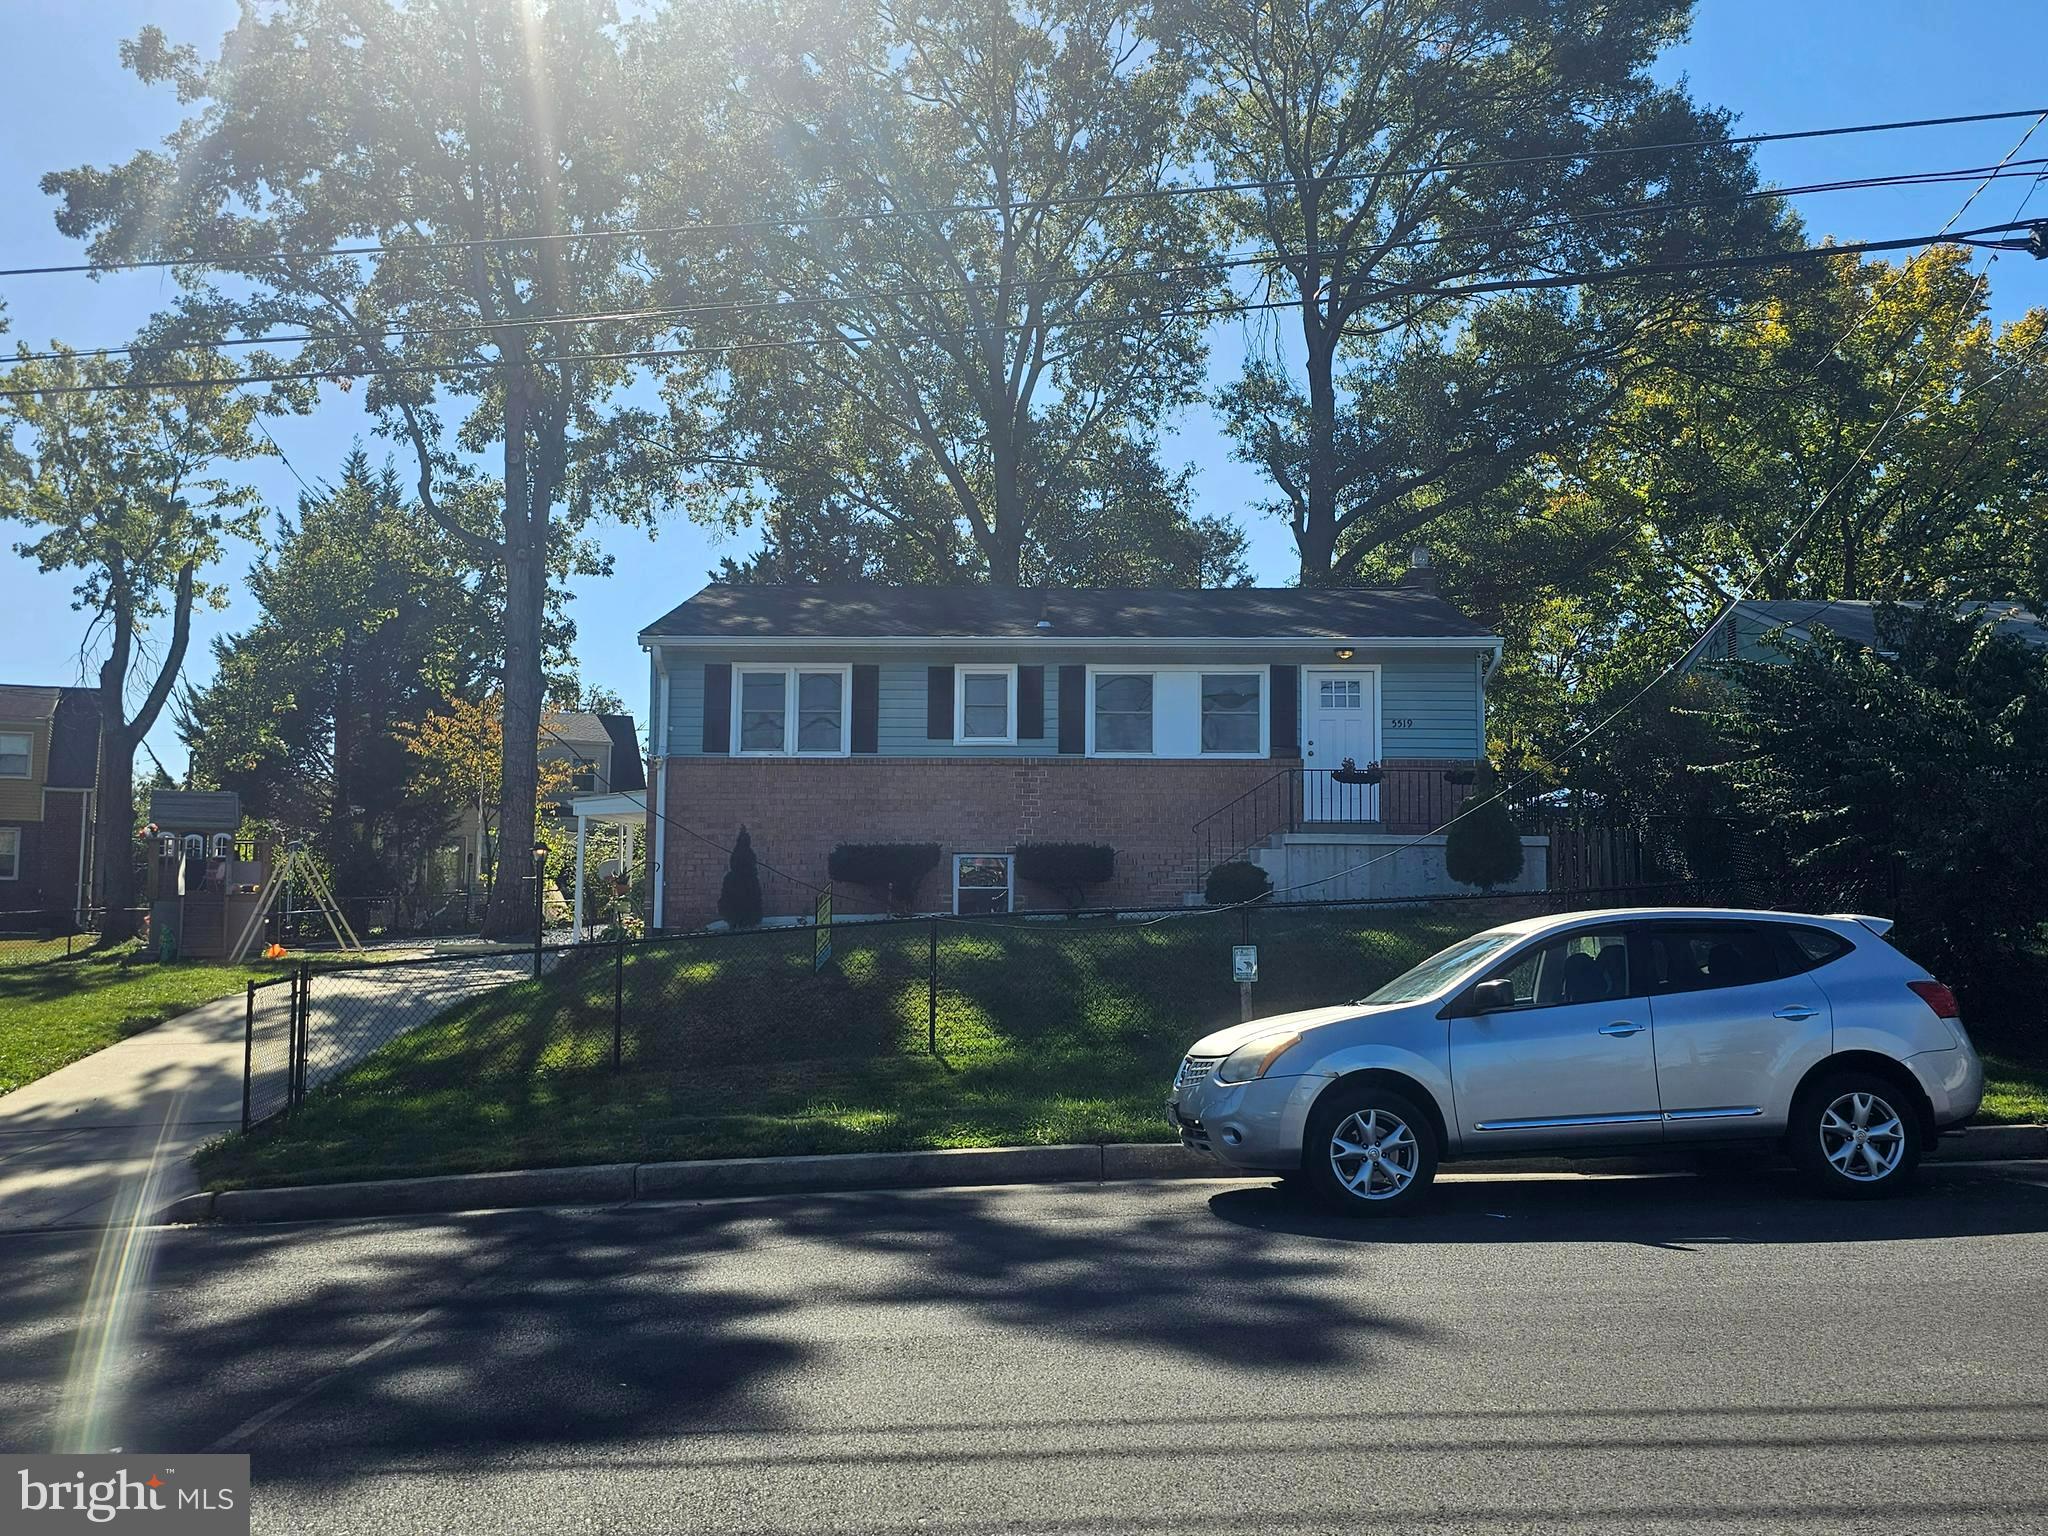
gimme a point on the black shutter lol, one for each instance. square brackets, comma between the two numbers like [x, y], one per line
[1286, 707]
[1031, 703]
[1073, 709]
[867, 709]
[717, 707]
[938, 704]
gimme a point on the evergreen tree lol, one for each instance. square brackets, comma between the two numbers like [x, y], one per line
[739, 894]
[1483, 848]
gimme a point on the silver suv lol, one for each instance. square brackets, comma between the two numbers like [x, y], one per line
[1592, 1033]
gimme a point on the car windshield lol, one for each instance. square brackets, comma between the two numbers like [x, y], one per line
[1441, 968]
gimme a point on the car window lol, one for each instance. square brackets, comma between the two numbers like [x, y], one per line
[1586, 967]
[1700, 957]
[1806, 949]
[1440, 969]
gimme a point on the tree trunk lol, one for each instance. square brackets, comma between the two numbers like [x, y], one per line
[510, 915]
[114, 823]
[1317, 539]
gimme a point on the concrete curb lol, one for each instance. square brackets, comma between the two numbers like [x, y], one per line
[606, 1184]
[1992, 1143]
[868, 1170]
[621, 1183]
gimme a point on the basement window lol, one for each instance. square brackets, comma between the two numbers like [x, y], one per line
[981, 883]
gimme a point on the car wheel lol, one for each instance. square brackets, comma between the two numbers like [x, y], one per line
[1855, 1136]
[1369, 1152]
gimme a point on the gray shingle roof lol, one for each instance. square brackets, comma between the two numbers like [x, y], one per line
[875, 611]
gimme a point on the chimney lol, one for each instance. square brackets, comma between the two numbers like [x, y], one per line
[1420, 575]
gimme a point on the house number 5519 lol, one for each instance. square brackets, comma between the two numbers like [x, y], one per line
[1400, 722]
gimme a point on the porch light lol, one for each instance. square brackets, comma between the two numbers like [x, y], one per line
[1345, 653]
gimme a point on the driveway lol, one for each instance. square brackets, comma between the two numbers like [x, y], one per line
[112, 1135]
[1536, 1355]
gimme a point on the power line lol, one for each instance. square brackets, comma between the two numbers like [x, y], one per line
[1392, 290]
[526, 324]
[1104, 199]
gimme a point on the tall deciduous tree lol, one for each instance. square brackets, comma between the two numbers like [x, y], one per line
[1392, 148]
[486, 148]
[1001, 304]
[124, 487]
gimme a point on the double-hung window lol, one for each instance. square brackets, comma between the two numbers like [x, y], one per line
[10, 853]
[1177, 712]
[986, 706]
[1230, 712]
[785, 711]
[14, 754]
[1123, 712]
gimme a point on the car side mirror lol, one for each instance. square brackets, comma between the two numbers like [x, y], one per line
[1492, 996]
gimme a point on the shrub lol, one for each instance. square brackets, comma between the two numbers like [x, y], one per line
[739, 894]
[1484, 849]
[1238, 881]
[1068, 868]
[897, 868]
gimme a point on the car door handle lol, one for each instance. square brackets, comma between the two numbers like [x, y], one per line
[1795, 1012]
[1621, 1028]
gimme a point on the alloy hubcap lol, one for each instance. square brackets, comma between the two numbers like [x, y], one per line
[1374, 1154]
[1863, 1137]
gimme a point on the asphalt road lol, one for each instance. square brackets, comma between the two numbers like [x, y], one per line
[1537, 1355]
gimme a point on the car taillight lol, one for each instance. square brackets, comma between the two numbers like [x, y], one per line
[1937, 997]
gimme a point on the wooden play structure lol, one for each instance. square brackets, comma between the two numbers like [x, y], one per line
[211, 890]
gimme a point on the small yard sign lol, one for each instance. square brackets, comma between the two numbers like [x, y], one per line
[821, 931]
[1244, 962]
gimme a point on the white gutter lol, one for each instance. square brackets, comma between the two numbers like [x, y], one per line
[657, 836]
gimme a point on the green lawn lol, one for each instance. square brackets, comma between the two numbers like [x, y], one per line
[732, 1046]
[55, 1009]
[2015, 1090]
[58, 1010]
[1047, 1033]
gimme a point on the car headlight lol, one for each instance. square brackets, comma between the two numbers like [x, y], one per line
[1250, 1060]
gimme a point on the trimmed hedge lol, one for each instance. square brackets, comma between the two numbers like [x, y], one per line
[1069, 868]
[897, 868]
[1238, 881]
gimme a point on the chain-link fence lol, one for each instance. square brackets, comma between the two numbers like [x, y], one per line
[35, 937]
[1109, 994]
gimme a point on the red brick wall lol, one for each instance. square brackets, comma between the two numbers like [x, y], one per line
[798, 809]
[49, 858]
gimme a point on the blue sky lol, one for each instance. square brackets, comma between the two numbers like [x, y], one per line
[1779, 64]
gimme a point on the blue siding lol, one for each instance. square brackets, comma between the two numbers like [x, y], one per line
[1440, 695]
[1437, 691]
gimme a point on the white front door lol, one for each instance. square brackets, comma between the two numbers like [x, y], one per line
[1342, 721]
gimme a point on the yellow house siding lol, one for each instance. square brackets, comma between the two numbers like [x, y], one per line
[22, 799]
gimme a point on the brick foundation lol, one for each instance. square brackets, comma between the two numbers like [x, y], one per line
[798, 809]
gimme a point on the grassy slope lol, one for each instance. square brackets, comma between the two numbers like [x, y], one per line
[54, 1012]
[733, 1047]
[1061, 1033]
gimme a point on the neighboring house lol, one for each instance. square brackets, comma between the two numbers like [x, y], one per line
[1759, 631]
[49, 770]
[1179, 727]
[602, 754]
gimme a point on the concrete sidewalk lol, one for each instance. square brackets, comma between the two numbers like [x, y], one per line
[110, 1137]
[73, 1143]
